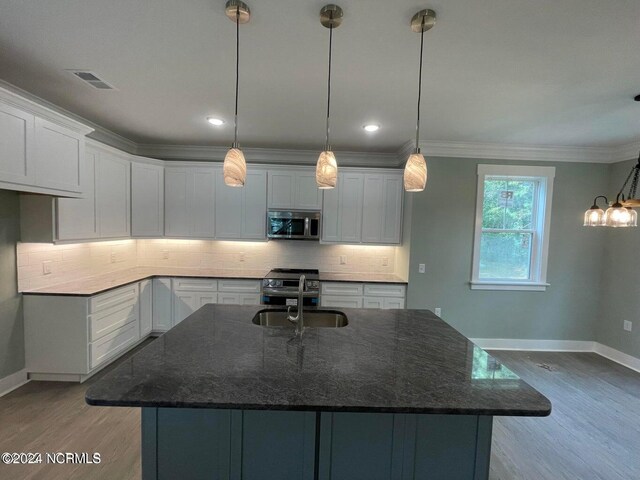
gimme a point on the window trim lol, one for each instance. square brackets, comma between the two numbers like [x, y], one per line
[540, 245]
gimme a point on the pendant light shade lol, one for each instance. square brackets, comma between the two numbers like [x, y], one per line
[327, 167]
[235, 167]
[595, 216]
[618, 216]
[415, 173]
[415, 170]
[326, 170]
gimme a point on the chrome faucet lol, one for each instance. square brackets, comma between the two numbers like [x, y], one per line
[298, 320]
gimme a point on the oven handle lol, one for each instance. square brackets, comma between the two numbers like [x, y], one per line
[291, 293]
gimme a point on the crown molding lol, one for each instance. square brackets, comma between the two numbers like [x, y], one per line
[498, 151]
[24, 100]
[622, 153]
[266, 155]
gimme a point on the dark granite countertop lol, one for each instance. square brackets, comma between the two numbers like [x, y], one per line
[402, 361]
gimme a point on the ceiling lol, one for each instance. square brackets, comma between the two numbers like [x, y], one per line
[542, 72]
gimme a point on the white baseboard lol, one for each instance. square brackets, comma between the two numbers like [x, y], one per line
[617, 356]
[559, 346]
[13, 381]
[534, 345]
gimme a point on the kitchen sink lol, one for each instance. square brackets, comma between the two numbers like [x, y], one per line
[312, 319]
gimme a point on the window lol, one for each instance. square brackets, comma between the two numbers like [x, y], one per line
[511, 241]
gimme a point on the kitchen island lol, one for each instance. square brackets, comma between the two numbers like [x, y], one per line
[394, 394]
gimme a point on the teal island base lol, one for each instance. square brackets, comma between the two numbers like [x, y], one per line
[214, 444]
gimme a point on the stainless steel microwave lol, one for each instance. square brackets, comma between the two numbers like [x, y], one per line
[293, 225]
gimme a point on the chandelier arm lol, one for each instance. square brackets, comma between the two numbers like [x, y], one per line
[633, 170]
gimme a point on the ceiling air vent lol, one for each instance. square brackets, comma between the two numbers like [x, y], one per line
[92, 79]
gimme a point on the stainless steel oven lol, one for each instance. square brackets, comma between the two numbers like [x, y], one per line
[293, 224]
[280, 287]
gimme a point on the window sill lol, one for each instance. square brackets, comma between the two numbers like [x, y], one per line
[521, 286]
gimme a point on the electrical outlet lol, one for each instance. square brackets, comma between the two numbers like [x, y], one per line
[343, 259]
[627, 325]
[385, 261]
[46, 267]
[165, 254]
[242, 256]
[113, 257]
[437, 311]
[421, 268]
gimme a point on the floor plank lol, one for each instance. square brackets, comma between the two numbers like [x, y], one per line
[592, 433]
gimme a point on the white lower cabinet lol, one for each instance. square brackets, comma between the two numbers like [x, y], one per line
[239, 298]
[359, 295]
[146, 307]
[70, 337]
[185, 303]
[162, 304]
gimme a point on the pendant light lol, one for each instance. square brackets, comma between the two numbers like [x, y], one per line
[620, 213]
[415, 170]
[235, 167]
[327, 167]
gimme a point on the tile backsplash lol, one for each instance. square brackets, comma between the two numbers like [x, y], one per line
[69, 262]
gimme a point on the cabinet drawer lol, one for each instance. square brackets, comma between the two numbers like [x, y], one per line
[109, 320]
[239, 298]
[384, 290]
[239, 286]
[390, 302]
[112, 344]
[113, 298]
[195, 285]
[341, 301]
[341, 288]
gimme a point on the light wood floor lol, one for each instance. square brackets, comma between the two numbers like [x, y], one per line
[593, 432]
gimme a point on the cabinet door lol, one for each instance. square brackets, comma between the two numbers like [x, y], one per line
[392, 212]
[205, 298]
[331, 213]
[372, 302]
[307, 196]
[146, 307]
[254, 207]
[184, 304]
[351, 207]
[372, 208]
[176, 211]
[228, 208]
[390, 302]
[113, 187]
[239, 298]
[16, 146]
[76, 217]
[59, 157]
[281, 189]
[201, 202]
[147, 200]
[162, 299]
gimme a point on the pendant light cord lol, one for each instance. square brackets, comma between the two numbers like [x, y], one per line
[235, 122]
[326, 144]
[420, 86]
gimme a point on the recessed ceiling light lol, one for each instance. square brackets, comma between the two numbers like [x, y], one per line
[215, 121]
[371, 127]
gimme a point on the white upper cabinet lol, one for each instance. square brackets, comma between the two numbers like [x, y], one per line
[189, 202]
[113, 201]
[147, 200]
[41, 151]
[294, 189]
[241, 212]
[59, 154]
[16, 146]
[363, 208]
[382, 208]
[77, 218]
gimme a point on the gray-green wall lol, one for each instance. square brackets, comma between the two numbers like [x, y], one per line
[11, 325]
[620, 288]
[442, 231]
